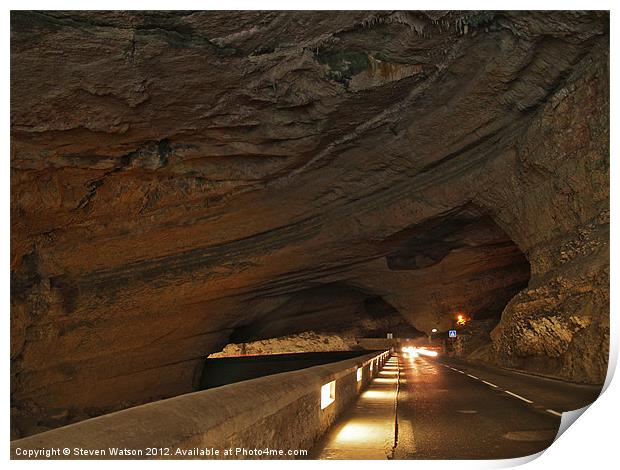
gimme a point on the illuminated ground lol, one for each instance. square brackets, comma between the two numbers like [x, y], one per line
[366, 431]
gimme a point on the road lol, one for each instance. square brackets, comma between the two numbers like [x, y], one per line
[451, 410]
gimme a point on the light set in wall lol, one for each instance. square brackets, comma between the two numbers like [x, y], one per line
[328, 394]
[328, 391]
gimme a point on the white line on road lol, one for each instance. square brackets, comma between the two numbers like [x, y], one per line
[518, 396]
[460, 371]
[489, 383]
[473, 376]
[553, 412]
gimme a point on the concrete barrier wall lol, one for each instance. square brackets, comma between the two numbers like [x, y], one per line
[280, 412]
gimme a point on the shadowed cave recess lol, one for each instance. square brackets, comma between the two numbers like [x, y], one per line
[181, 181]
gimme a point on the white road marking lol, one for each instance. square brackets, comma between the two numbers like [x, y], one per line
[553, 412]
[518, 396]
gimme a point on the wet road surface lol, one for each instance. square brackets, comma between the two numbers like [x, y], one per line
[451, 410]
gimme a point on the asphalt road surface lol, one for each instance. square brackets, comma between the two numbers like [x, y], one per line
[451, 410]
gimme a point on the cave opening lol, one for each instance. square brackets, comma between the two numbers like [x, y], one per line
[465, 269]
[336, 308]
[456, 270]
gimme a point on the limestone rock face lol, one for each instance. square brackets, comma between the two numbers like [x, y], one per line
[182, 180]
[473, 341]
[307, 341]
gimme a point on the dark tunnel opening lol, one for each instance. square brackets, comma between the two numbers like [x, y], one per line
[460, 264]
[333, 308]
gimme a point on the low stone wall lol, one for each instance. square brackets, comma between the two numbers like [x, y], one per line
[280, 412]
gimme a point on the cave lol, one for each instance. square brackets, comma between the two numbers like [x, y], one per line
[334, 308]
[184, 181]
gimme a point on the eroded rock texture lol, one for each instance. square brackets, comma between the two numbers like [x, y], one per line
[181, 178]
[307, 341]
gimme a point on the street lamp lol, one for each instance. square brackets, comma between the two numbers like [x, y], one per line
[430, 335]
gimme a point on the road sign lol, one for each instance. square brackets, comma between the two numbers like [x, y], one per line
[452, 333]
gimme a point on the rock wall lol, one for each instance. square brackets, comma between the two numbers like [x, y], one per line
[560, 323]
[473, 341]
[303, 342]
[181, 180]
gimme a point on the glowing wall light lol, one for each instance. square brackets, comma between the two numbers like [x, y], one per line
[328, 394]
[359, 374]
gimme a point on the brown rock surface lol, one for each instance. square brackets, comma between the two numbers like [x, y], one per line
[178, 178]
[307, 341]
